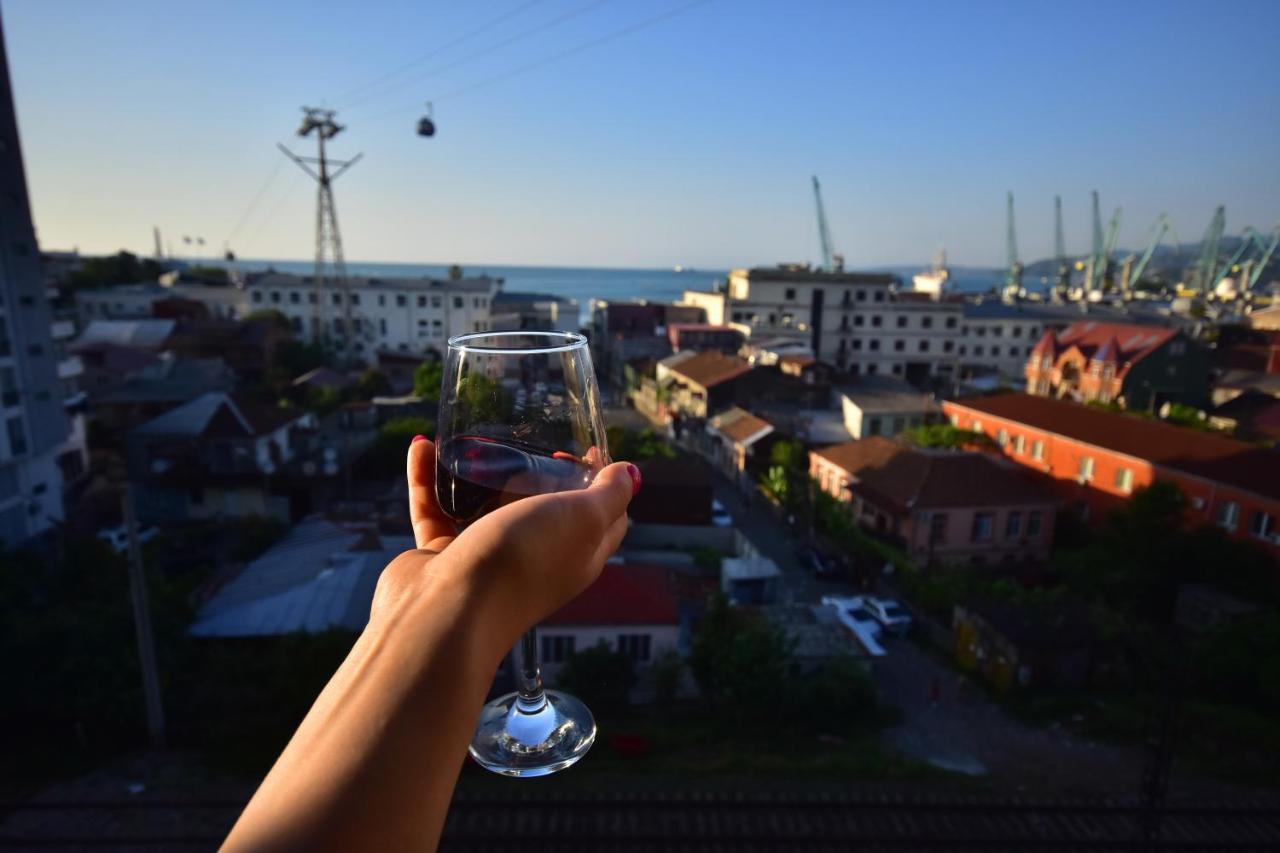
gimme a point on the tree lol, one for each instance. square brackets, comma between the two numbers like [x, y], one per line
[600, 676]
[385, 457]
[637, 446]
[297, 357]
[120, 268]
[268, 315]
[788, 476]
[372, 383]
[666, 672]
[427, 379]
[946, 436]
[836, 696]
[736, 655]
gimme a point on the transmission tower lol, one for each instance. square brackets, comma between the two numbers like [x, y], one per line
[331, 269]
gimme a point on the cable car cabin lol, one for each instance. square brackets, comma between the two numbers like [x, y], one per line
[426, 127]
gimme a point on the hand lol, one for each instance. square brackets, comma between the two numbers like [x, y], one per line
[524, 560]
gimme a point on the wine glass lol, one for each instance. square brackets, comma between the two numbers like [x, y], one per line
[520, 415]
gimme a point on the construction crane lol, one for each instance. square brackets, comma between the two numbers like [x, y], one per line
[1254, 266]
[1062, 278]
[1208, 263]
[1131, 272]
[1013, 280]
[831, 261]
[1091, 271]
[1109, 249]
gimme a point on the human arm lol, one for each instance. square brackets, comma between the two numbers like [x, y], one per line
[373, 764]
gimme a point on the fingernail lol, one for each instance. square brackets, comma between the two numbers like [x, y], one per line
[634, 473]
[417, 438]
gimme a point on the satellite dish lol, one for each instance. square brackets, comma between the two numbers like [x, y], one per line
[426, 126]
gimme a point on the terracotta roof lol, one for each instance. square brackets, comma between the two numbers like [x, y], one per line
[624, 594]
[1119, 343]
[909, 478]
[1178, 448]
[739, 425]
[710, 368]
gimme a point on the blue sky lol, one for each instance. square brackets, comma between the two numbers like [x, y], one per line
[689, 141]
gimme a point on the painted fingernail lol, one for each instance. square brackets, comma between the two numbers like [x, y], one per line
[634, 473]
[418, 438]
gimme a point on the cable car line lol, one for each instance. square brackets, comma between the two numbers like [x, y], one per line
[253, 203]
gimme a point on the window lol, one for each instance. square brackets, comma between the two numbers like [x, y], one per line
[1019, 444]
[982, 525]
[871, 368]
[311, 298]
[873, 424]
[382, 300]
[879, 296]
[294, 297]
[1013, 525]
[257, 296]
[875, 321]
[926, 322]
[857, 343]
[634, 646]
[457, 302]
[1037, 449]
[924, 346]
[1002, 437]
[556, 648]
[422, 302]
[1016, 331]
[977, 350]
[790, 294]
[295, 323]
[337, 299]
[898, 425]
[275, 297]
[947, 346]
[859, 320]
[902, 321]
[17, 438]
[997, 331]
[951, 322]
[1033, 523]
[899, 345]
[1261, 524]
[995, 351]
[937, 528]
[862, 296]
[400, 300]
[897, 369]
[1084, 472]
[355, 299]
[435, 302]
[875, 345]
[980, 330]
[382, 326]
[1228, 514]
[1124, 480]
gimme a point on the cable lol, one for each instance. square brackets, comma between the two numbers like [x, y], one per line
[556, 57]
[350, 93]
[288, 193]
[559, 19]
[253, 203]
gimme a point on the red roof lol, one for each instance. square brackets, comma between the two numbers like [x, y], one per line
[710, 367]
[624, 594]
[1200, 454]
[1119, 343]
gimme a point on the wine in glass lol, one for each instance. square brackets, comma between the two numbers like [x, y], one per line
[519, 416]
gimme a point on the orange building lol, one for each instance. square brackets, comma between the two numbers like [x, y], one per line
[1097, 459]
[1139, 366]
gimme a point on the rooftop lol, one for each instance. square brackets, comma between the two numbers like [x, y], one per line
[624, 594]
[740, 426]
[143, 334]
[910, 478]
[219, 414]
[1119, 343]
[1200, 454]
[707, 368]
[802, 272]
[477, 284]
[886, 394]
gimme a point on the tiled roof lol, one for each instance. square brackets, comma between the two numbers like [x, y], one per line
[1120, 343]
[709, 368]
[740, 426]
[886, 394]
[216, 413]
[147, 333]
[1181, 449]
[624, 594]
[909, 478]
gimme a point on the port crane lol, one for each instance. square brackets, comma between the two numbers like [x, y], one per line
[1062, 276]
[1253, 268]
[831, 260]
[1131, 272]
[1013, 280]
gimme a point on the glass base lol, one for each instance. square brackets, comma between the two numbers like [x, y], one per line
[515, 739]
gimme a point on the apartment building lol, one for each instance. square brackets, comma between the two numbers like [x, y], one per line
[36, 437]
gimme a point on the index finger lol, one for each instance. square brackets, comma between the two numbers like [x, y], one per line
[428, 520]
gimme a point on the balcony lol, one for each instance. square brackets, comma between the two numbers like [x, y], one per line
[70, 368]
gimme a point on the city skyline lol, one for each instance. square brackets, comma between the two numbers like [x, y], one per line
[596, 134]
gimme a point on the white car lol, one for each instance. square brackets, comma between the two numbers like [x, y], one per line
[889, 613]
[719, 515]
[854, 616]
[118, 537]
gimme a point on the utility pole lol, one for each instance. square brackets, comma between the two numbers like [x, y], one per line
[331, 268]
[142, 627]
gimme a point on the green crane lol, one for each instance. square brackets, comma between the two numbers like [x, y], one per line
[1013, 280]
[824, 233]
[1256, 265]
[1131, 273]
[1062, 277]
[1207, 265]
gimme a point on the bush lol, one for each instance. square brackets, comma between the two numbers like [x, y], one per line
[667, 672]
[599, 676]
[734, 653]
[386, 456]
[837, 696]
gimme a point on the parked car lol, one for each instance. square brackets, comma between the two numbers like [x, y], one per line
[719, 515]
[851, 613]
[889, 613]
[813, 559]
[118, 537]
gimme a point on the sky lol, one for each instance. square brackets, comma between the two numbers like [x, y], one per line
[587, 133]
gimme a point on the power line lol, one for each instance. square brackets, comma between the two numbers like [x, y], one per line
[274, 209]
[556, 21]
[493, 22]
[556, 57]
[253, 203]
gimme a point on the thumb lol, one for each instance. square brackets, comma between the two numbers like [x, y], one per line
[612, 490]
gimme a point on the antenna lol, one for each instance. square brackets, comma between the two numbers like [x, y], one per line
[331, 268]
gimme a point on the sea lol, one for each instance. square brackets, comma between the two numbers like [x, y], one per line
[583, 284]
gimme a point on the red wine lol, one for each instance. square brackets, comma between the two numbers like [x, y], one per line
[476, 475]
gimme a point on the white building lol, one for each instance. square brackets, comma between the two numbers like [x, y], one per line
[877, 405]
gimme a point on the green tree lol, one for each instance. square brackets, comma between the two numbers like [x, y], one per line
[324, 400]
[385, 457]
[600, 676]
[838, 695]
[946, 436]
[666, 672]
[268, 315]
[372, 383]
[788, 475]
[637, 446]
[427, 378]
[736, 655]
[297, 357]
[120, 268]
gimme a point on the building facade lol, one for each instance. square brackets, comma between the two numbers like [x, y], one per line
[1095, 460]
[35, 430]
[879, 405]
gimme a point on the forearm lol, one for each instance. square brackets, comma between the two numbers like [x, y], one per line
[374, 763]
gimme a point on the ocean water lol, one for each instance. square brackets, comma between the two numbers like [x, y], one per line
[584, 283]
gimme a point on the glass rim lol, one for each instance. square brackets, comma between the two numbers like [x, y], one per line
[568, 341]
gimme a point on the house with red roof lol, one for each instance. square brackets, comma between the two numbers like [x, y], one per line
[1139, 367]
[631, 608]
[1094, 460]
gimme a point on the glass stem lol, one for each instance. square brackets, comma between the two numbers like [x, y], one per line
[529, 686]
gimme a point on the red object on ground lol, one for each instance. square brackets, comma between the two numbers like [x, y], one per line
[632, 746]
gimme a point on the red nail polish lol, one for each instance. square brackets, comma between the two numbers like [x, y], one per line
[634, 473]
[417, 438]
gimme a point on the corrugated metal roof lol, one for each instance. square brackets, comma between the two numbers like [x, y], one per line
[144, 334]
